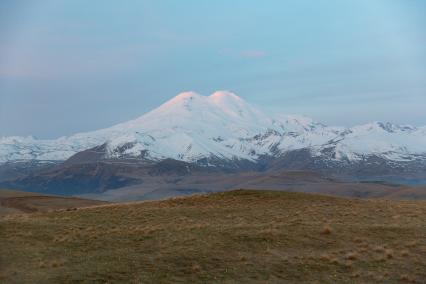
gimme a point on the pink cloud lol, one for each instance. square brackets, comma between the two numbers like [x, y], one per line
[253, 53]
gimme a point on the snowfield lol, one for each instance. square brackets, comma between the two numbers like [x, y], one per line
[190, 127]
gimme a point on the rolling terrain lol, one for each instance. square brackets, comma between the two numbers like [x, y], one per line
[12, 202]
[245, 236]
[129, 181]
[166, 186]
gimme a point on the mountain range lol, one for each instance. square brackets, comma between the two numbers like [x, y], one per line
[221, 133]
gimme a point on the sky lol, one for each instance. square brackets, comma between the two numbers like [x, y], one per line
[77, 65]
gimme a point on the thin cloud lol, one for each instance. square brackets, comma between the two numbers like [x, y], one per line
[250, 53]
[253, 53]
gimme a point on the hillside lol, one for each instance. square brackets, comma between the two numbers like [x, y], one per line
[26, 202]
[244, 236]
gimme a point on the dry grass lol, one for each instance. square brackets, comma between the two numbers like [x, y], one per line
[352, 256]
[326, 230]
[243, 236]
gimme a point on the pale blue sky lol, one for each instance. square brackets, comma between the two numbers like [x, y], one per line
[78, 65]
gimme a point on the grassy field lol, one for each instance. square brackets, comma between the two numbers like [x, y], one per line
[238, 236]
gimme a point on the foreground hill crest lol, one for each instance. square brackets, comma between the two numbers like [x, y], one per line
[231, 237]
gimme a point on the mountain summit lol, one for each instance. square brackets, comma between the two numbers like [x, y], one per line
[223, 127]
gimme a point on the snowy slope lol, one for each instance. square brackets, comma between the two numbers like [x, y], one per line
[190, 127]
[393, 142]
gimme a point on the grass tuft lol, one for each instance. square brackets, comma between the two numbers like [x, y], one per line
[326, 230]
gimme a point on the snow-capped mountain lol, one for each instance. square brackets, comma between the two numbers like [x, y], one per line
[222, 126]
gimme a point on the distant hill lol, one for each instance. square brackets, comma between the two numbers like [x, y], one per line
[27, 202]
[120, 181]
